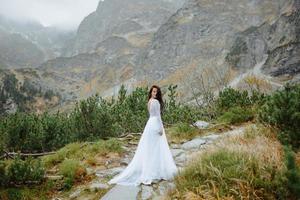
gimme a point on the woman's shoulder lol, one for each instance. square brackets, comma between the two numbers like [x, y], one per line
[154, 100]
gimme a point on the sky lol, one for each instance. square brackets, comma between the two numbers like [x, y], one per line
[65, 14]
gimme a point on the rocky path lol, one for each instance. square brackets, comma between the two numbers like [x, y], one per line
[182, 153]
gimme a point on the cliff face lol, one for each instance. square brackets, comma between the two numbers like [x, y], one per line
[279, 40]
[202, 32]
[123, 18]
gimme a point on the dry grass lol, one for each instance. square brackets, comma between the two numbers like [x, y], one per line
[83, 152]
[247, 166]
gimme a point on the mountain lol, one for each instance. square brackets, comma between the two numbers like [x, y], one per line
[29, 44]
[193, 43]
[202, 32]
[278, 41]
[131, 19]
[19, 91]
[106, 47]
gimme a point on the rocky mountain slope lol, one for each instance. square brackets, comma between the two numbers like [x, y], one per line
[138, 42]
[202, 32]
[131, 19]
[18, 91]
[29, 44]
[106, 48]
[279, 40]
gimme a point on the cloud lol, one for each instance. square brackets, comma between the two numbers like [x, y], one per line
[66, 14]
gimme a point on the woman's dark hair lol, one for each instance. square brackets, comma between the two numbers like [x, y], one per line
[158, 96]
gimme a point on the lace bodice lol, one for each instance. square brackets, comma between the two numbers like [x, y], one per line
[154, 110]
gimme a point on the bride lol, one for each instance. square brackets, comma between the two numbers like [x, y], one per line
[153, 159]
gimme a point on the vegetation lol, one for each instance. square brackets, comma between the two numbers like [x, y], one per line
[282, 110]
[92, 119]
[19, 172]
[235, 107]
[89, 131]
[11, 91]
[181, 132]
[213, 174]
[79, 151]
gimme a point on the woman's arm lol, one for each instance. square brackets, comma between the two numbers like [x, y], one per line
[159, 118]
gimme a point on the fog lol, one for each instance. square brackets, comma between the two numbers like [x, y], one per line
[64, 14]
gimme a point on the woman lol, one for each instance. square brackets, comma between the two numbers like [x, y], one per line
[153, 159]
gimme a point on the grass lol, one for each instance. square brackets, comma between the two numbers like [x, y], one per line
[70, 162]
[40, 192]
[82, 151]
[182, 132]
[249, 166]
[72, 169]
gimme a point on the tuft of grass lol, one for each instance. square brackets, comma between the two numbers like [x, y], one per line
[71, 168]
[72, 171]
[181, 132]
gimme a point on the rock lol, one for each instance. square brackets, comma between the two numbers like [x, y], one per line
[122, 192]
[147, 192]
[75, 194]
[109, 172]
[181, 159]
[165, 186]
[89, 171]
[97, 186]
[130, 16]
[201, 124]
[175, 146]
[210, 138]
[195, 143]
[176, 152]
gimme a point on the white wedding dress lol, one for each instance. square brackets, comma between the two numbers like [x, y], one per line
[153, 159]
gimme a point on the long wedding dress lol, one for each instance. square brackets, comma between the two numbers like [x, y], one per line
[153, 159]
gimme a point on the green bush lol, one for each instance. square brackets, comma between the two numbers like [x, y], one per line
[25, 132]
[230, 97]
[292, 174]
[18, 172]
[176, 112]
[58, 131]
[35, 133]
[92, 119]
[130, 112]
[282, 110]
[14, 194]
[236, 115]
[3, 177]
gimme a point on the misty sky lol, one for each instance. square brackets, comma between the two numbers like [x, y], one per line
[65, 14]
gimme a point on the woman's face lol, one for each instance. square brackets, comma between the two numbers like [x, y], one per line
[154, 92]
